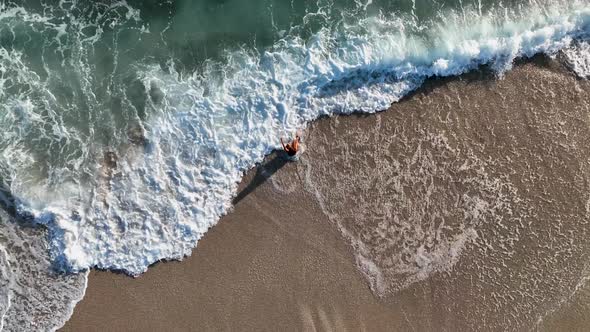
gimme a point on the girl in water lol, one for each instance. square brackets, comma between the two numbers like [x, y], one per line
[292, 148]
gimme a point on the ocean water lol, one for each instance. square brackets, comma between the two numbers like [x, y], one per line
[127, 125]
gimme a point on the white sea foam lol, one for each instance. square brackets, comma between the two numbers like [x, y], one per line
[207, 129]
[417, 221]
[5, 284]
[578, 58]
[32, 295]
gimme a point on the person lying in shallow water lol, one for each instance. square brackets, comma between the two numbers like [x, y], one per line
[293, 147]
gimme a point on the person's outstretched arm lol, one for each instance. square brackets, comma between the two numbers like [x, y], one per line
[283, 144]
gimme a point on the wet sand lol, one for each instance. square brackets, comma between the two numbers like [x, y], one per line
[274, 263]
[507, 183]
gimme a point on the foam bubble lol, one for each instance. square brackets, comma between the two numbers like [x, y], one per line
[5, 285]
[578, 58]
[431, 200]
[32, 295]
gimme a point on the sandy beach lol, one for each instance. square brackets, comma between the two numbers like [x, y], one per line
[506, 172]
[274, 263]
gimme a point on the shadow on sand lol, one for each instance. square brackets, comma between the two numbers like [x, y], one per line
[8, 204]
[263, 172]
[7, 201]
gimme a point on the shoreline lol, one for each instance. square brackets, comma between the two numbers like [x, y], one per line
[271, 264]
[265, 252]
